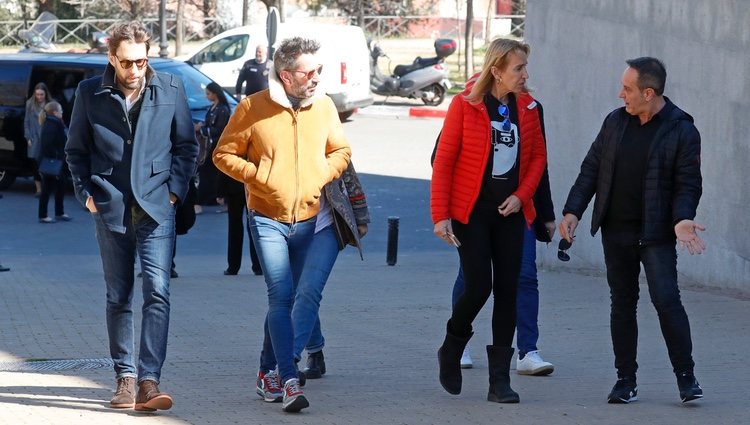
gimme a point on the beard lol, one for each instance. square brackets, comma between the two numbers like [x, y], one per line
[128, 84]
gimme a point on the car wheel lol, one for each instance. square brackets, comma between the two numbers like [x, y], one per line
[6, 179]
[343, 116]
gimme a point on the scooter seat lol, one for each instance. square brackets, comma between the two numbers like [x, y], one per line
[419, 63]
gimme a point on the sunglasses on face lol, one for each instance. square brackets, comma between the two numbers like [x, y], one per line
[562, 249]
[504, 112]
[309, 74]
[127, 64]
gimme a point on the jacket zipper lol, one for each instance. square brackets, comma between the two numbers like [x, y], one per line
[296, 167]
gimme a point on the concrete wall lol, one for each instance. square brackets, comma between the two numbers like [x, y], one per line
[578, 53]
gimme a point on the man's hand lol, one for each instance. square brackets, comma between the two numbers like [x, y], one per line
[568, 227]
[90, 204]
[362, 230]
[220, 201]
[172, 198]
[688, 237]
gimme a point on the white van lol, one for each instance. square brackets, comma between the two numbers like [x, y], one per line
[343, 52]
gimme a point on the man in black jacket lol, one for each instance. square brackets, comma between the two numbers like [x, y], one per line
[644, 168]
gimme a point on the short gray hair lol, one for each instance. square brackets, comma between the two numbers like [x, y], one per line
[290, 50]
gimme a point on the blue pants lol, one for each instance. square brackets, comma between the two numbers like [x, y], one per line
[527, 297]
[282, 248]
[154, 244]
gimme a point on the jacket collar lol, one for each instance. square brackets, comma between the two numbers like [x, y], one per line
[108, 79]
[278, 94]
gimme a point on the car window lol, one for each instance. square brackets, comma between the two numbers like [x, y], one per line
[195, 84]
[15, 84]
[223, 50]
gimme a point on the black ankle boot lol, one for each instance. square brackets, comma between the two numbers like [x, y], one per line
[316, 365]
[499, 366]
[449, 359]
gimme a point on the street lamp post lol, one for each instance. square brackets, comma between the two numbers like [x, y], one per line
[163, 45]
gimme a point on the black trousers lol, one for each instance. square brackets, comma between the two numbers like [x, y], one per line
[623, 257]
[51, 184]
[236, 209]
[490, 253]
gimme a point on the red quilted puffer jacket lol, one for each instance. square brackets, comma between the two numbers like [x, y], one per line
[462, 155]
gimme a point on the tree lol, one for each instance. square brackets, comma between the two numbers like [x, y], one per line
[469, 40]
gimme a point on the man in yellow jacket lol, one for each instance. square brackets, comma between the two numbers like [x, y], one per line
[285, 144]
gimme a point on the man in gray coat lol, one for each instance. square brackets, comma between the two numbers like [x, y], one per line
[131, 151]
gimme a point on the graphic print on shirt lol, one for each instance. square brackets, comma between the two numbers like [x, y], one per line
[504, 149]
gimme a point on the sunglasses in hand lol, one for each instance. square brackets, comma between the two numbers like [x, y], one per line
[562, 250]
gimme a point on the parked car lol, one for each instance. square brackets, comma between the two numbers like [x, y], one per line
[62, 72]
[343, 52]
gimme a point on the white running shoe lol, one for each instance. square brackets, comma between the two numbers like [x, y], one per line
[466, 362]
[533, 364]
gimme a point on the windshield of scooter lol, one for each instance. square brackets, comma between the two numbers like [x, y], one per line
[41, 32]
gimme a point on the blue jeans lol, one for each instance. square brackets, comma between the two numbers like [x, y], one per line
[282, 248]
[154, 243]
[320, 260]
[527, 297]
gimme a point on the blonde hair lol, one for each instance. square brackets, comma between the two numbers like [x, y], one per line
[498, 56]
[49, 108]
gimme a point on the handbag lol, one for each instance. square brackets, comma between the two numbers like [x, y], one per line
[51, 167]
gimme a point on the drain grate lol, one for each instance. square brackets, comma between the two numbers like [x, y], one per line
[33, 365]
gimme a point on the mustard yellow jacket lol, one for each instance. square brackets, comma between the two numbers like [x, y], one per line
[283, 156]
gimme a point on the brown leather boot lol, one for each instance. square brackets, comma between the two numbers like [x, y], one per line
[150, 398]
[124, 397]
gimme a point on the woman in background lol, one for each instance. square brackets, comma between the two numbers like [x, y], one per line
[52, 145]
[32, 129]
[216, 119]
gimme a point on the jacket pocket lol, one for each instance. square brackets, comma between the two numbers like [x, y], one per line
[264, 170]
[160, 166]
[101, 167]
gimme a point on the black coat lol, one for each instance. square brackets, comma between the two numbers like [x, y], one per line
[52, 139]
[672, 184]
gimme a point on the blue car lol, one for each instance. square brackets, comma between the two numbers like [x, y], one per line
[62, 72]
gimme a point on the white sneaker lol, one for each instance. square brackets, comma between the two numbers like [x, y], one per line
[533, 364]
[466, 362]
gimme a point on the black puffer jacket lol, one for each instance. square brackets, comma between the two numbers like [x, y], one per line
[673, 182]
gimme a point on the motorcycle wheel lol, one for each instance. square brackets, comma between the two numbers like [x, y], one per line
[439, 94]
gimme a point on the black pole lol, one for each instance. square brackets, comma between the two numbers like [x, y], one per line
[392, 251]
[163, 45]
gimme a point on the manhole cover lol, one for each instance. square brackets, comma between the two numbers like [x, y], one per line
[54, 365]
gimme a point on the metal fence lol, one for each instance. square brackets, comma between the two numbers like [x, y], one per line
[78, 31]
[426, 26]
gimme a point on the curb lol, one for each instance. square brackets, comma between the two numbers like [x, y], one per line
[396, 111]
[427, 113]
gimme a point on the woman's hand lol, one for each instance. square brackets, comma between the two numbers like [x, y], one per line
[362, 230]
[443, 229]
[198, 126]
[511, 205]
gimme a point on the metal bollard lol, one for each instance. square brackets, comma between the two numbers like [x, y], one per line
[392, 251]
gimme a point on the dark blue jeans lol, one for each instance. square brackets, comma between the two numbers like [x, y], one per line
[153, 242]
[282, 248]
[527, 297]
[623, 257]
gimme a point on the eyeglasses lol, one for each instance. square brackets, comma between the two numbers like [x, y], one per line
[504, 112]
[127, 64]
[562, 249]
[309, 74]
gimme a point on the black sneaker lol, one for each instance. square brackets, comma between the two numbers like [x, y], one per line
[624, 391]
[689, 387]
[316, 365]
